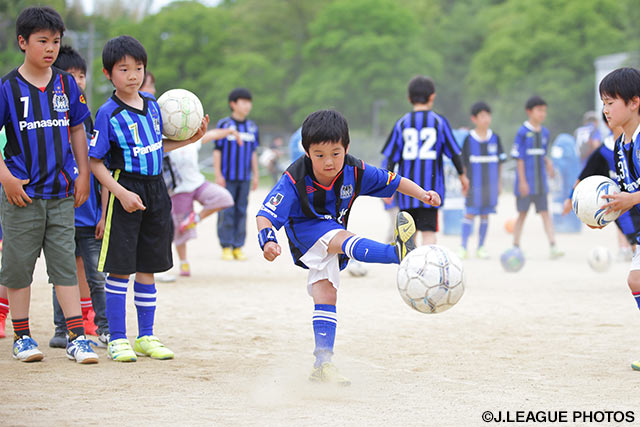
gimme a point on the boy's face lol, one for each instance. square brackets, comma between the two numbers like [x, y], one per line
[617, 111]
[482, 120]
[327, 159]
[80, 77]
[41, 49]
[241, 106]
[127, 75]
[537, 114]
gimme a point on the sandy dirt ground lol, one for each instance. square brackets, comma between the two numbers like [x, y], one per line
[554, 337]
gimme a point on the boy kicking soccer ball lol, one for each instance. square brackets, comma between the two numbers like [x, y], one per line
[313, 200]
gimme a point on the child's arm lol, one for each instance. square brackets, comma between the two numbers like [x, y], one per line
[170, 145]
[13, 187]
[130, 201]
[524, 187]
[412, 189]
[271, 249]
[621, 202]
[217, 167]
[549, 164]
[220, 133]
[104, 200]
[254, 171]
[82, 185]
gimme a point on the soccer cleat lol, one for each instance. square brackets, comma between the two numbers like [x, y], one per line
[239, 254]
[635, 365]
[404, 234]
[227, 254]
[3, 319]
[26, 350]
[185, 269]
[80, 350]
[189, 222]
[462, 253]
[555, 253]
[482, 253]
[328, 373]
[58, 340]
[120, 351]
[150, 345]
[164, 277]
[103, 339]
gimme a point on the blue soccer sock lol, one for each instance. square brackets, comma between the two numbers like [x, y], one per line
[145, 301]
[636, 295]
[115, 300]
[482, 233]
[467, 228]
[325, 321]
[367, 250]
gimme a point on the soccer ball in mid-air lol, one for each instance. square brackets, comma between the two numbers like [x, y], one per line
[600, 259]
[181, 114]
[587, 200]
[431, 279]
[512, 260]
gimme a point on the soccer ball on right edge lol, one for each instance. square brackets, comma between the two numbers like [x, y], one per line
[587, 200]
[182, 114]
[431, 279]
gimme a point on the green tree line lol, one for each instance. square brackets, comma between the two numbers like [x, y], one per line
[357, 56]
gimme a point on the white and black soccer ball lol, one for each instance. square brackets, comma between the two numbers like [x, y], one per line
[431, 279]
[182, 114]
[600, 259]
[587, 200]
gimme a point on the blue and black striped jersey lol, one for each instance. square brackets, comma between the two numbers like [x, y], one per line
[416, 146]
[37, 122]
[236, 159]
[531, 147]
[482, 158]
[88, 214]
[131, 138]
[627, 163]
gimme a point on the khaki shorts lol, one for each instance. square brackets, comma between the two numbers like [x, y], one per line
[44, 224]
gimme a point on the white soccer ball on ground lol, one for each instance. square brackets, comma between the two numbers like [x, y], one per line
[587, 200]
[182, 114]
[600, 259]
[431, 279]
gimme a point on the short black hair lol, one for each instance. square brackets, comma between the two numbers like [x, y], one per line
[623, 83]
[420, 89]
[70, 59]
[325, 126]
[238, 93]
[39, 18]
[116, 49]
[534, 101]
[479, 107]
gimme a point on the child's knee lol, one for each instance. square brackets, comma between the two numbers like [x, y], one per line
[335, 244]
[633, 280]
[324, 292]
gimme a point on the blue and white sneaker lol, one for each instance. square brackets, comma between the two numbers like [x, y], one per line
[80, 350]
[26, 350]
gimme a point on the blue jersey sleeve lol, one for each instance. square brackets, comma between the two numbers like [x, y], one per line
[100, 143]
[78, 110]
[451, 147]
[4, 108]
[378, 182]
[392, 150]
[519, 146]
[279, 202]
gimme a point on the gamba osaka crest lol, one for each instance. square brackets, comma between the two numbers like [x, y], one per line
[60, 101]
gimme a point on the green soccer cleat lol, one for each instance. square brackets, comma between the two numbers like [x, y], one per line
[482, 253]
[555, 253]
[462, 253]
[150, 345]
[635, 365]
[404, 234]
[120, 351]
[328, 373]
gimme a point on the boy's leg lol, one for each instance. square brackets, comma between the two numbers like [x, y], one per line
[225, 224]
[240, 219]
[4, 309]
[145, 296]
[25, 348]
[548, 228]
[522, 204]
[467, 228]
[59, 339]
[89, 250]
[88, 315]
[185, 269]
[482, 234]
[633, 280]
[119, 348]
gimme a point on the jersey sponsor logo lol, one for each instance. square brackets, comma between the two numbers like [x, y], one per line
[492, 148]
[274, 201]
[311, 189]
[346, 191]
[148, 149]
[82, 99]
[535, 151]
[60, 102]
[49, 123]
[343, 212]
[94, 138]
[245, 136]
[390, 177]
[483, 159]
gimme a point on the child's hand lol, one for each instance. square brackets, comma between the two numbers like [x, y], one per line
[432, 198]
[131, 202]
[239, 140]
[524, 188]
[465, 184]
[271, 251]
[13, 188]
[81, 190]
[254, 182]
[100, 229]
[221, 181]
[201, 130]
[618, 202]
[566, 207]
